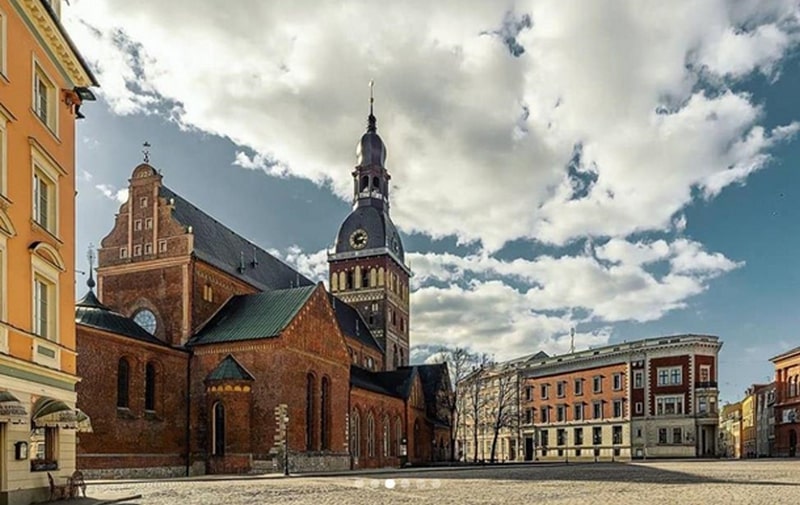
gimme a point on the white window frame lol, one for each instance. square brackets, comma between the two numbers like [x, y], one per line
[621, 409]
[42, 270]
[41, 75]
[707, 370]
[638, 379]
[578, 387]
[595, 406]
[616, 381]
[3, 43]
[137, 225]
[162, 246]
[137, 250]
[3, 295]
[544, 391]
[143, 202]
[597, 384]
[44, 167]
[577, 411]
[3, 144]
[661, 405]
[639, 407]
[123, 252]
[669, 374]
[148, 223]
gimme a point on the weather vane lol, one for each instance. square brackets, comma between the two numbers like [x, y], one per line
[90, 257]
[146, 151]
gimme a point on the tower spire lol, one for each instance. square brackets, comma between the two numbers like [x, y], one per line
[371, 125]
[90, 256]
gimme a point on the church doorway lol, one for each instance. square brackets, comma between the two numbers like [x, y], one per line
[792, 443]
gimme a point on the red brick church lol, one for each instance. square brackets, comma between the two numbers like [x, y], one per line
[200, 352]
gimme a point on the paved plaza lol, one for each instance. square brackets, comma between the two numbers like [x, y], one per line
[695, 482]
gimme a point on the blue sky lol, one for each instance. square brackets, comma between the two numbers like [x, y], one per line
[630, 172]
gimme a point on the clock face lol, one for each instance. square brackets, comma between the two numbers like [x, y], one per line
[359, 239]
[147, 320]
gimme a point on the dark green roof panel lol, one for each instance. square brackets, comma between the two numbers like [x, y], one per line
[250, 317]
[230, 369]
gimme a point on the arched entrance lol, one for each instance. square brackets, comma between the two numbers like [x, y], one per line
[792, 443]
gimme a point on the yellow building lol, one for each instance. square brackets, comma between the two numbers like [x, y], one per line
[42, 82]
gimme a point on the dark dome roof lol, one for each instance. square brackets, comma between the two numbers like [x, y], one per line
[370, 149]
[90, 312]
[380, 229]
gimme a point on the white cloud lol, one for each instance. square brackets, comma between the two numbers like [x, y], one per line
[508, 308]
[110, 192]
[474, 131]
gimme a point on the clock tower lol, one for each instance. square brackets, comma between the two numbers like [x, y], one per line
[367, 267]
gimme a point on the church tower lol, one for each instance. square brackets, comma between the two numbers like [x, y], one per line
[367, 268]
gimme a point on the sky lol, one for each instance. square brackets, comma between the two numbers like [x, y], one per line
[626, 168]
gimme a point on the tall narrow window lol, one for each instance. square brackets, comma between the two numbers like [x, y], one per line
[386, 437]
[398, 436]
[371, 436]
[150, 387]
[309, 412]
[355, 435]
[41, 307]
[324, 428]
[42, 197]
[123, 381]
[44, 98]
[218, 430]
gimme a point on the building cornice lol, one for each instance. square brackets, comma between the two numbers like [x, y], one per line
[369, 253]
[44, 22]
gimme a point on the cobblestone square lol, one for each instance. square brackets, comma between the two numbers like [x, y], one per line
[695, 482]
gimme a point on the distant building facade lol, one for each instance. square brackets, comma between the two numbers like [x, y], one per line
[43, 80]
[730, 423]
[765, 420]
[787, 403]
[643, 399]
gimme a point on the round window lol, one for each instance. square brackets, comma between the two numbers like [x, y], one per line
[147, 320]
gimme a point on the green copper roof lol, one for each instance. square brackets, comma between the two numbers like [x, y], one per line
[249, 317]
[230, 369]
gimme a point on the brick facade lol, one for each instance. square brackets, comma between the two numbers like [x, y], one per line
[133, 436]
[787, 404]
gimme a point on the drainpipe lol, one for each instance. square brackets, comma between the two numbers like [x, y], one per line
[188, 412]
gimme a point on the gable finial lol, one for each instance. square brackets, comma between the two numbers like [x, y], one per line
[146, 151]
[90, 256]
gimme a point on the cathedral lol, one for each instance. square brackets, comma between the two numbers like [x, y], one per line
[201, 353]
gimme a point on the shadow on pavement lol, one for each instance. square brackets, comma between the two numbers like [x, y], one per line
[586, 472]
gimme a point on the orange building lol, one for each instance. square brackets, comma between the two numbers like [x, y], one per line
[42, 82]
[787, 403]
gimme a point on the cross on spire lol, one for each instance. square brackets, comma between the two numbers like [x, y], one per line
[371, 127]
[146, 151]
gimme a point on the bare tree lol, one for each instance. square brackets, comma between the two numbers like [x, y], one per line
[472, 398]
[501, 403]
[459, 364]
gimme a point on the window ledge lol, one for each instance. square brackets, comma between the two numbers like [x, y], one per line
[4, 78]
[46, 126]
[125, 413]
[37, 226]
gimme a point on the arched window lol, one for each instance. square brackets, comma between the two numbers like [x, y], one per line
[402, 358]
[123, 383]
[324, 427]
[398, 437]
[376, 184]
[370, 436]
[380, 276]
[150, 387]
[373, 277]
[395, 356]
[357, 278]
[342, 281]
[417, 441]
[309, 412]
[349, 284]
[218, 430]
[334, 281]
[355, 434]
[387, 443]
